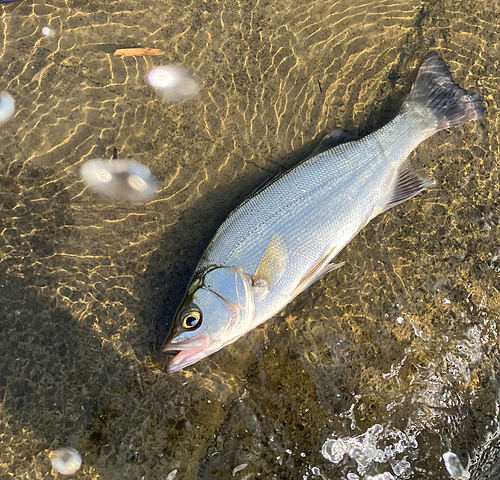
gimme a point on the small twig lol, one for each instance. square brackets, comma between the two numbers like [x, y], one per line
[138, 52]
[320, 84]
[3, 401]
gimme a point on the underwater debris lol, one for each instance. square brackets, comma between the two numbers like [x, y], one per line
[138, 52]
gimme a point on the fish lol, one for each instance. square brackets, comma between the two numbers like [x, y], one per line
[286, 235]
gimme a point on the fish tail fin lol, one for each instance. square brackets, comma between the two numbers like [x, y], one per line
[435, 89]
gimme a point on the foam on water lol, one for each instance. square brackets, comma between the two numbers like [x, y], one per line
[7, 106]
[124, 180]
[173, 83]
[381, 476]
[365, 450]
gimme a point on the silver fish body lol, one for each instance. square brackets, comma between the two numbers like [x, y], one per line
[286, 235]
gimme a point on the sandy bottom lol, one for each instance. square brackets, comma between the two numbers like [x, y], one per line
[404, 336]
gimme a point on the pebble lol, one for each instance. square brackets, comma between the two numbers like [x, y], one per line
[171, 475]
[239, 468]
[454, 467]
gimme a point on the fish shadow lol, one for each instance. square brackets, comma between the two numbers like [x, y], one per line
[171, 267]
[166, 279]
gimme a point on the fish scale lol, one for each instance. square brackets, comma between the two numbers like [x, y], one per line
[316, 206]
[285, 236]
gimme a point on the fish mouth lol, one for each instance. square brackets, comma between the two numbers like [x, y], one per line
[185, 353]
[171, 352]
[183, 359]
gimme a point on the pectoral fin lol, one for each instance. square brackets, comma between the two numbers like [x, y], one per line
[272, 266]
[407, 186]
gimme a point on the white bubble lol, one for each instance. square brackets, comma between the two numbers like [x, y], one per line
[7, 106]
[454, 467]
[334, 450]
[165, 77]
[48, 32]
[173, 83]
[66, 461]
[137, 183]
[104, 176]
[124, 180]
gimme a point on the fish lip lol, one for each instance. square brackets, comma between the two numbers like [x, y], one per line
[171, 351]
[186, 353]
[183, 359]
[195, 344]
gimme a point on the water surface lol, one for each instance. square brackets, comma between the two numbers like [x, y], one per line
[403, 336]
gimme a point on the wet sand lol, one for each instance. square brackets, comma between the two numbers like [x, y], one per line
[404, 335]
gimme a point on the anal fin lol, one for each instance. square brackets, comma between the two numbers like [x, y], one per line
[407, 186]
[322, 267]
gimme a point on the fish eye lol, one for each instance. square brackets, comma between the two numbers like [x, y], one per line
[191, 320]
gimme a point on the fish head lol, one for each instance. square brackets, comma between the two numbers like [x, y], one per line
[217, 310]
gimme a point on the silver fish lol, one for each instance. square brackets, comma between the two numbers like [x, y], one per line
[286, 235]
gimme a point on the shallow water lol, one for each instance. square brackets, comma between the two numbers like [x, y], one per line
[403, 336]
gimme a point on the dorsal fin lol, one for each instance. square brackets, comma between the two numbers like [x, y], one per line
[407, 186]
[333, 139]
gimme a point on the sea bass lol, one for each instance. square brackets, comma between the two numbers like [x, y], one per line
[285, 236]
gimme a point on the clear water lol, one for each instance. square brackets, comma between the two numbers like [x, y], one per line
[395, 354]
